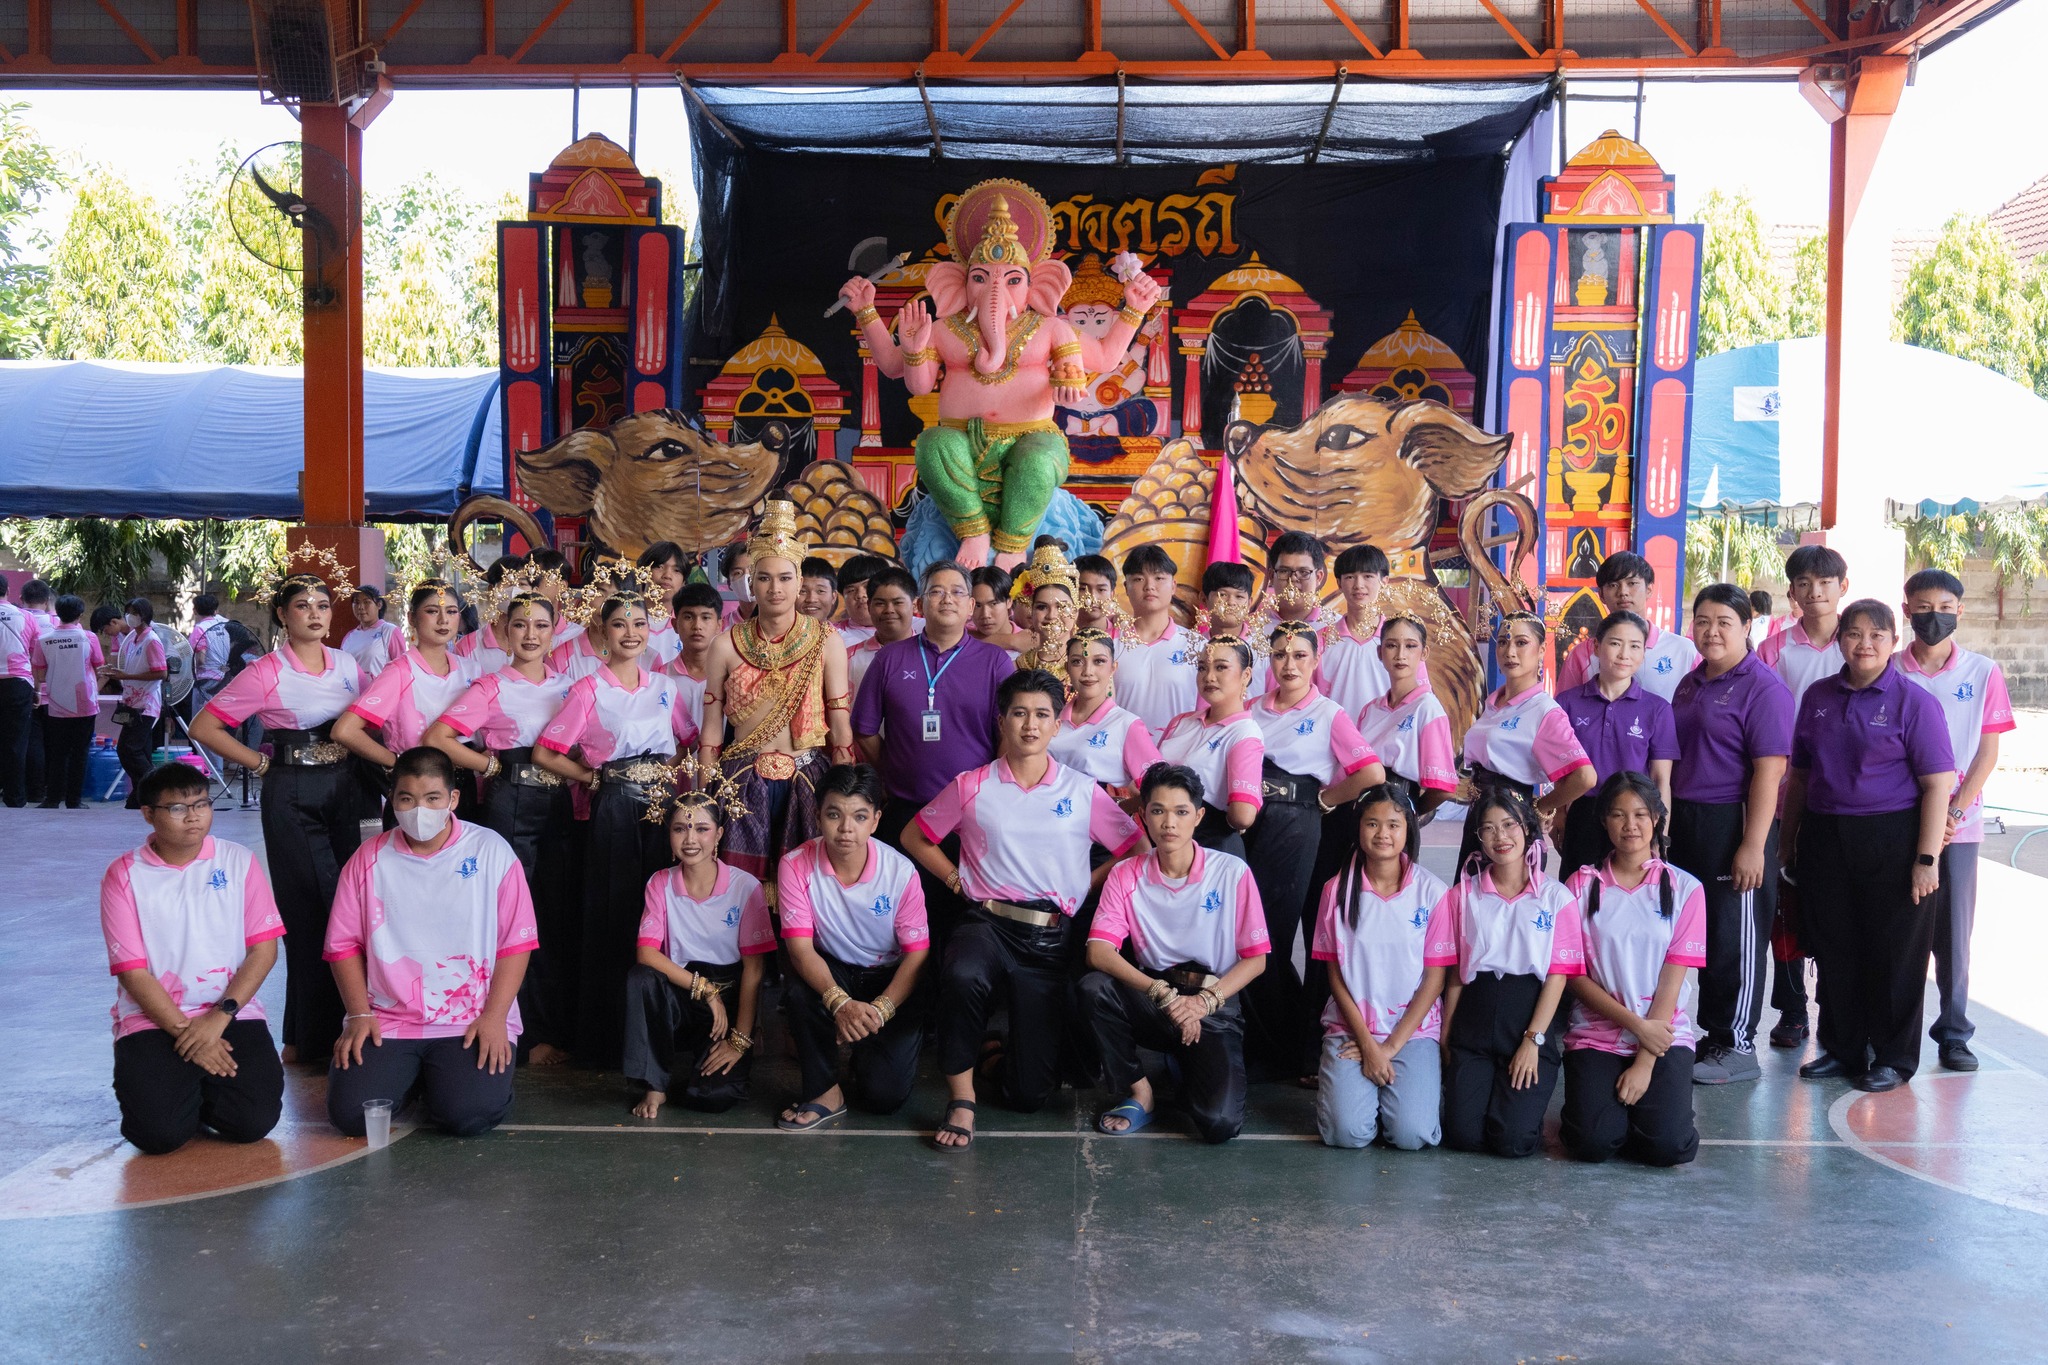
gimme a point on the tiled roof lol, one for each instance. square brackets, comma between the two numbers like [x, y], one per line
[2023, 221]
[1784, 240]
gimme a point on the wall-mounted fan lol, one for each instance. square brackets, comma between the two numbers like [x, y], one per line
[281, 205]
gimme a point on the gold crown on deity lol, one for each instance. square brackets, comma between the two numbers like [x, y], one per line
[1093, 285]
[1049, 568]
[1000, 222]
[776, 537]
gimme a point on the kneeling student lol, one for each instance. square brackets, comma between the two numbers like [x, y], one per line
[705, 931]
[1198, 933]
[191, 932]
[1628, 1076]
[431, 929]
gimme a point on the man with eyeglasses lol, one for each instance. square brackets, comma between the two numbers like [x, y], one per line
[191, 930]
[926, 713]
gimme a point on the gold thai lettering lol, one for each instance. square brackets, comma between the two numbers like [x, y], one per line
[1171, 226]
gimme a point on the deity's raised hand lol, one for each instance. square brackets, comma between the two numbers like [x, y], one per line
[1141, 291]
[914, 325]
[857, 294]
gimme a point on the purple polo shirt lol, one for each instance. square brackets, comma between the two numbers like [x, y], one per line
[1724, 724]
[1623, 735]
[1862, 748]
[892, 703]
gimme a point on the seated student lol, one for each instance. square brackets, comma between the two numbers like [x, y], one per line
[1026, 827]
[191, 932]
[1628, 1076]
[1191, 960]
[705, 932]
[817, 592]
[853, 923]
[1382, 1067]
[428, 942]
[1512, 933]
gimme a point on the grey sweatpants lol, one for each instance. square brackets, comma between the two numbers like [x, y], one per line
[1350, 1109]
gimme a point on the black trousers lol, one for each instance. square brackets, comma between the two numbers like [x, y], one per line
[1704, 839]
[667, 1032]
[461, 1097]
[1656, 1130]
[1212, 1075]
[67, 743]
[536, 822]
[165, 1100]
[1339, 841]
[136, 748]
[1870, 942]
[17, 718]
[1026, 967]
[1281, 1036]
[1583, 837]
[881, 1067]
[311, 828]
[1216, 832]
[625, 850]
[1483, 1112]
[943, 909]
[35, 763]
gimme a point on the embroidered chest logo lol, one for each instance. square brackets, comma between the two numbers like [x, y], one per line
[882, 906]
[1664, 665]
[1212, 902]
[1099, 740]
[732, 916]
[1215, 744]
[1881, 719]
[468, 868]
[1545, 918]
[662, 701]
[1307, 727]
[1420, 919]
[909, 676]
[1635, 729]
[1063, 807]
[1179, 656]
[219, 880]
[1965, 691]
[1820, 712]
[1511, 723]
[1407, 725]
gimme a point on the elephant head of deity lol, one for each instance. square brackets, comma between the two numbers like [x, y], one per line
[1000, 236]
[1364, 470]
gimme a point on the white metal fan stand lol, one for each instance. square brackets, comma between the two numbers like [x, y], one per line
[177, 686]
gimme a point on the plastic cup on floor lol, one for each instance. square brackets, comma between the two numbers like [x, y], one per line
[377, 1122]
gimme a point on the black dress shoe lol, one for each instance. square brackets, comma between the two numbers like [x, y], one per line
[1879, 1079]
[1958, 1057]
[1824, 1067]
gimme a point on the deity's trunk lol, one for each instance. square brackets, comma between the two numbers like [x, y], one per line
[994, 320]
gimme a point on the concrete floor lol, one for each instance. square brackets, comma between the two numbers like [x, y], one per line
[1817, 1225]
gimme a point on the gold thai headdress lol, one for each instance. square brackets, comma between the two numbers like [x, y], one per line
[454, 573]
[495, 599]
[311, 565]
[1251, 632]
[616, 578]
[1092, 285]
[691, 783]
[1049, 568]
[776, 537]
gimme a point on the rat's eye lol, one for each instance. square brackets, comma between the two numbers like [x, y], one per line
[1343, 436]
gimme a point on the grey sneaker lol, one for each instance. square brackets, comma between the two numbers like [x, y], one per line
[1741, 1066]
[1710, 1067]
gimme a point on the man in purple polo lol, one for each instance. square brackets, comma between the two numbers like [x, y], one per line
[926, 713]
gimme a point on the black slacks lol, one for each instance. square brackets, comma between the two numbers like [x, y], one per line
[667, 1032]
[1870, 942]
[882, 1066]
[165, 1100]
[625, 850]
[1656, 1130]
[536, 822]
[136, 748]
[1280, 1034]
[17, 716]
[1212, 1076]
[67, 743]
[1026, 966]
[943, 909]
[1218, 833]
[311, 828]
[35, 767]
[461, 1097]
[1483, 1112]
[1704, 840]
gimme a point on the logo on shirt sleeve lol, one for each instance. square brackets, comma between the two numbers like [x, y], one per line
[883, 905]
[1212, 902]
[468, 868]
[219, 880]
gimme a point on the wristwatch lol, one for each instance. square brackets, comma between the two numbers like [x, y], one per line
[1926, 860]
[228, 1005]
[1956, 812]
[1533, 1037]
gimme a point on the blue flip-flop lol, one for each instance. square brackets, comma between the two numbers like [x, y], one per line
[1133, 1113]
[826, 1117]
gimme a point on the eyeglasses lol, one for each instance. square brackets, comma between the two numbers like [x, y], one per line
[949, 594]
[184, 810]
[1296, 575]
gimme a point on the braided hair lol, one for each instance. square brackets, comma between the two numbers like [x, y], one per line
[1643, 789]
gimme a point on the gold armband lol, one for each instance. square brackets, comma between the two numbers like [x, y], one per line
[1131, 315]
[1065, 349]
[867, 315]
[838, 703]
[916, 358]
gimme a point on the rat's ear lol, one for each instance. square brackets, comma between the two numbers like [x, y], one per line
[1456, 457]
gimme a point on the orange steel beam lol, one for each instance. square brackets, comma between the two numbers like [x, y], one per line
[1816, 21]
[1094, 19]
[1669, 32]
[332, 486]
[1353, 29]
[991, 31]
[188, 28]
[639, 28]
[1196, 24]
[789, 27]
[540, 30]
[1937, 23]
[1401, 28]
[134, 34]
[490, 34]
[1513, 32]
[404, 17]
[844, 24]
[942, 29]
[1247, 25]
[690, 28]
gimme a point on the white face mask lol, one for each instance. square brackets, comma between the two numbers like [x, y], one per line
[743, 587]
[423, 823]
[132, 622]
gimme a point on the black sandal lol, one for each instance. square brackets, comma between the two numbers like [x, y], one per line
[955, 1129]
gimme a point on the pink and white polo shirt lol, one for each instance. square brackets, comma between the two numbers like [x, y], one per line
[409, 695]
[871, 923]
[431, 928]
[1413, 738]
[482, 645]
[692, 688]
[1312, 738]
[1476, 929]
[189, 927]
[730, 923]
[1667, 657]
[1156, 682]
[1021, 843]
[1212, 916]
[858, 658]
[277, 690]
[853, 636]
[140, 651]
[1796, 659]
[506, 709]
[579, 658]
[1350, 672]
[1229, 756]
[1974, 702]
[17, 638]
[1380, 957]
[1112, 746]
[45, 622]
[608, 720]
[70, 657]
[210, 644]
[1628, 942]
[373, 647]
[1526, 738]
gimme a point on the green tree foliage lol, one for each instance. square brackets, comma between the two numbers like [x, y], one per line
[117, 278]
[1806, 301]
[100, 558]
[1967, 298]
[242, 311]
[28, 173]
[1726, 547]
[1742, 300]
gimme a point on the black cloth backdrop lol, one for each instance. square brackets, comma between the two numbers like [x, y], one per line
[1367, 242]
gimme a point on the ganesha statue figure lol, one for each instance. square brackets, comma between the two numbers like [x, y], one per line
[1002, 359]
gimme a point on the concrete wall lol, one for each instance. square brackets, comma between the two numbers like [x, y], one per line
[2018, 642]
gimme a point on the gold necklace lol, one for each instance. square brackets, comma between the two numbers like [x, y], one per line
[1020, 336]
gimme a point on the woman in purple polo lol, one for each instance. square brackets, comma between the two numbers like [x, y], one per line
[1622, 726]
[1734, 718]
[1866, 814]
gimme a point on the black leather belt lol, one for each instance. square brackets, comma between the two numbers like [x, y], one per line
[518, 768]
[314, 748]
[1487, 777]
[1189, 977]
[1289, 789]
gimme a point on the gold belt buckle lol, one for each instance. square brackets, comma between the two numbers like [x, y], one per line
[1274, 790]
[328, 752]
[644, 774]
[775, 766]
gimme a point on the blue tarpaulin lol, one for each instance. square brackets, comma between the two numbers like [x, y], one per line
[87, 438]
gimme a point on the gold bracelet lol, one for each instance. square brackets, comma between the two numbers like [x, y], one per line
[1131, 315]
[702, 987]
[838, 703]
[263, 765]
[1161, 992]
[740, 1041]
[1065, 349]
[916, 358]
[492, 767]
[867, 315]
[1211, 999]
[884, 1006]
[837, 999]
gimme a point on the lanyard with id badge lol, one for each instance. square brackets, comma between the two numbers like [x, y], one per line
[932, 732]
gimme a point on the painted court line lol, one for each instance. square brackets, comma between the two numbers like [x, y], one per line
[621, 1130]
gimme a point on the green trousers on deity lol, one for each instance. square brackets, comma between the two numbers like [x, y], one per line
[993, 478]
